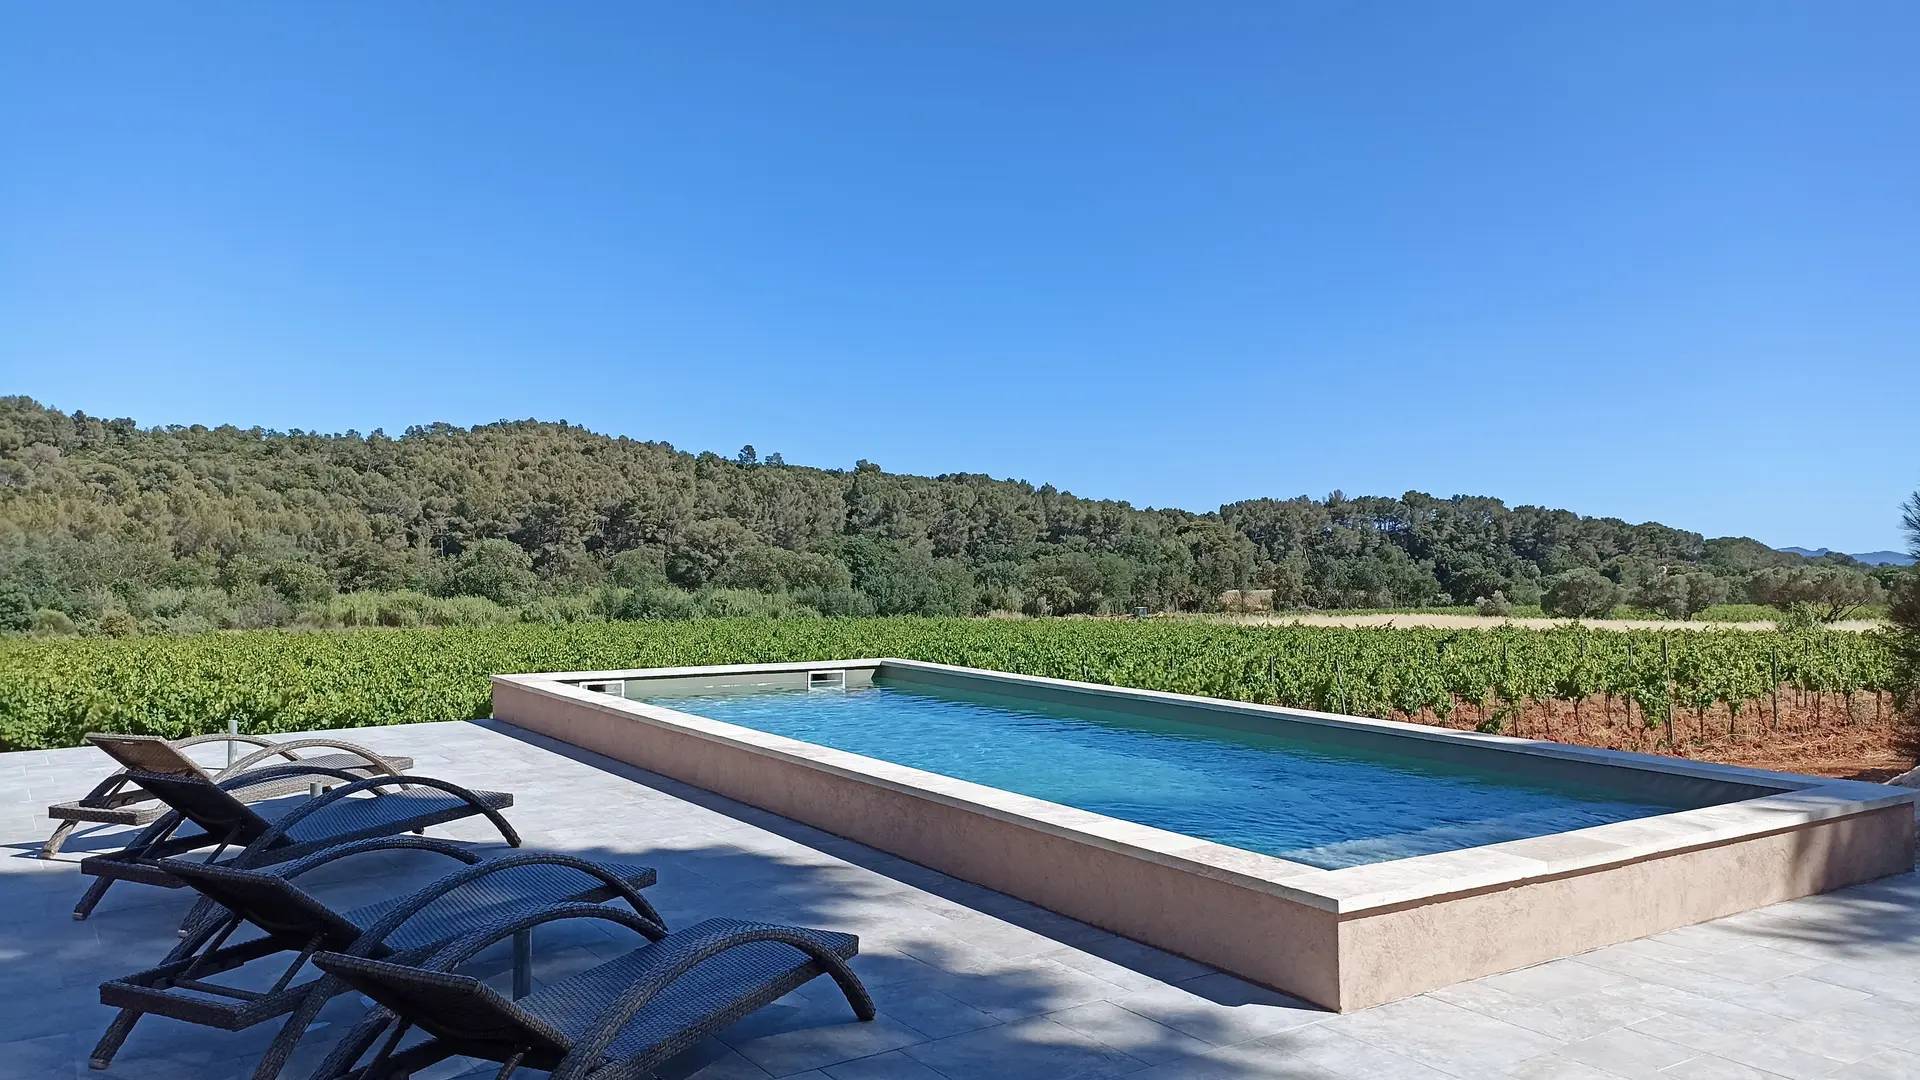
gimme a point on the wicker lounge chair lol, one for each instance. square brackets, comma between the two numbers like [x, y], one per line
[617, 1021]
[117, 800]
[292, 921]
[398, 804]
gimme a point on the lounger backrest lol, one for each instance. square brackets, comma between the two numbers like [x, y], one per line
[201, 801]
[147, 754]
[269, 902]
[445, 1005]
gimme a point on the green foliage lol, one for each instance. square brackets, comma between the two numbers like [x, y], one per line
[1580, 593]
[1904, 613]
[50, 623]
[193, 528]
[1826, 593]
[53, 691]
[1680, 594]
[495, 570]
[1495, 606]
[16, 609]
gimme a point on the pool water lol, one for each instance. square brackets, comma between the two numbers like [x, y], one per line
[1284, 795]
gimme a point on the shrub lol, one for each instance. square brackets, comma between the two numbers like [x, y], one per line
[1495, 605]
[1580, 594]
[48, 622]
[497, 570]
[16, 611]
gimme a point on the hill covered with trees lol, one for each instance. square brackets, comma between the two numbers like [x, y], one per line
[106, 526]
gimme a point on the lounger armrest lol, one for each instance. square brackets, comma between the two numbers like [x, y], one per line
[106, 789]
[354, 785]
[294, 869]
[413, 904]
[285, 749]
[682, 953]
[465, 948]
[277, 772]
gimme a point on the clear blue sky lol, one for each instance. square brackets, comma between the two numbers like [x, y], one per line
[1656, 261]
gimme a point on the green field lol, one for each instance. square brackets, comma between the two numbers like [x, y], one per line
[53, 692]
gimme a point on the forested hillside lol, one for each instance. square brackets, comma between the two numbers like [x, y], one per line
[109, 527]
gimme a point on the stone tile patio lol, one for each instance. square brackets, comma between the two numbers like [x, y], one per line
[974, 984]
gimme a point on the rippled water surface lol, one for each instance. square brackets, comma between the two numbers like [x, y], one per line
[1303, 800]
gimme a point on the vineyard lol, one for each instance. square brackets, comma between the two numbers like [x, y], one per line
[1641, 690]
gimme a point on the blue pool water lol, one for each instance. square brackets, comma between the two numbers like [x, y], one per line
[1283, 795]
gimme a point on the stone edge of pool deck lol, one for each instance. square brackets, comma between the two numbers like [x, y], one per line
[1339, 938]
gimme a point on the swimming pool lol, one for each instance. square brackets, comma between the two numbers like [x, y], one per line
[1280, 793]
[1347, 860]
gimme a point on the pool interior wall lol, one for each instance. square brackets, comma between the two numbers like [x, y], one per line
[1657, 788]
[1276, 793]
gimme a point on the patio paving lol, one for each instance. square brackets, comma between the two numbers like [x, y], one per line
[971, 983]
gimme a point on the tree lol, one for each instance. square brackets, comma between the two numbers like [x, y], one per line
[16, 610]
[1580, 594]
[1905, 615]
[1828, 593]
[299, 582]
[495, 569]
[98, 508]
[1681, 594]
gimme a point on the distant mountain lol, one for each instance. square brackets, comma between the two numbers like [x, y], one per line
[1871, 558]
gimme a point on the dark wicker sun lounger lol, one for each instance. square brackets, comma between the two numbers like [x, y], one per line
[396, 804]
[291, 920]
[617, 1021]
[118, 801]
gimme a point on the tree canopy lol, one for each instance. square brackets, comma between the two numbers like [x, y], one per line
[186, 527]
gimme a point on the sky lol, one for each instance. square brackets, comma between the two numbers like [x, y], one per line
[1643, 260]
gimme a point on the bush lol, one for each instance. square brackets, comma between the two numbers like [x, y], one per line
[118, 623]
[1680, 594]
[1495, 605]
[1580, 594]
[1827, 593]
[299, 582]
[497, 570]
[48, 622]
[16, 611]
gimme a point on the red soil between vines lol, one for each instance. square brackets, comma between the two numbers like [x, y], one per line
[1868, 745]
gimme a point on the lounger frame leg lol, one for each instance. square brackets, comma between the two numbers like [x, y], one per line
[522, 964]
[60, 833]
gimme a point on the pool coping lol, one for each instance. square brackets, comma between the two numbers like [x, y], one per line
[1373, 888]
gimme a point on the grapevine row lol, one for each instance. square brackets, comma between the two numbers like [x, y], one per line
[53, 692]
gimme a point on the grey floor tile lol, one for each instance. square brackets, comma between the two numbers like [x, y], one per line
[1568, 1019]
[1323, 1050]
[1220, 1024]
[921, 1006]
[50, 1057]
[1129, 1032]
[783, 1039]
[1755, 964]
[1553, 981]
[892, 1065]
[1760, 1053]
[1557, 1067]
[1886, 1065]
[1628, 1053]
[1446, 1037]
[1031, 1049]
[1714, 1067]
